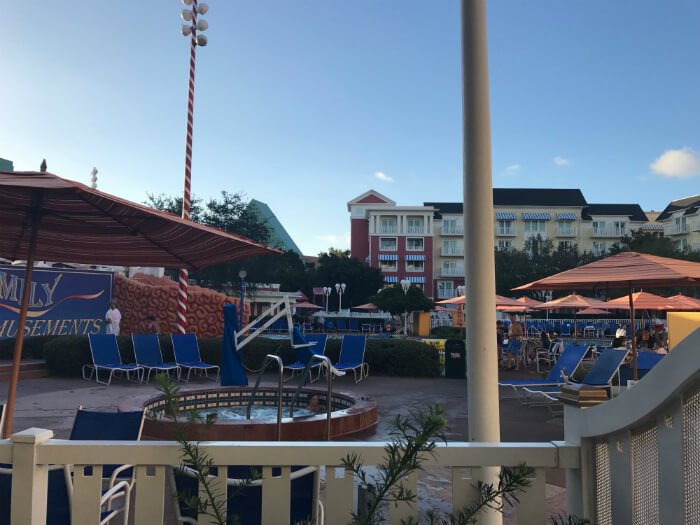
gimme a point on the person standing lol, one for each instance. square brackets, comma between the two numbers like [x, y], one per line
[113, 318]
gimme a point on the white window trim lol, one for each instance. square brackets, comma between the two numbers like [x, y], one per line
[395, 266]
[396, 244]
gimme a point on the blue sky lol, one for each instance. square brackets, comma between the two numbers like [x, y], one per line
[301, 103]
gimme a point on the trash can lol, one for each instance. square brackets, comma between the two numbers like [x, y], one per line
[455, 359]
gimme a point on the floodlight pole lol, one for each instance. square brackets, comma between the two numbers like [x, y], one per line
[480, 281]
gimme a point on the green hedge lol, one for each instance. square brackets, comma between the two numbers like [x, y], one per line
[32, 347]
[66, 355]
[447, 332]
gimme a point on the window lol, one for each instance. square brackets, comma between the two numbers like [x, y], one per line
[681, 225]
[505, 228]
[415, 266]
[599, 249]
[450, 227]
[449, 247]
[451, 269]
[389, 266]
[414, 224]
[387, 225]
[445, 290]
[565, 245]
[505, 245]
[598, 227]
[387, 244]
[535, 227]
[414, 243]
[681, 244]
[565, 228]
[619, 228]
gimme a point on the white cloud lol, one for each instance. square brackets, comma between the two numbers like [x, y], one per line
[512, 169]
[327, 238]
[677, 164]
[383, 177]
[561, 161]
[347, 238]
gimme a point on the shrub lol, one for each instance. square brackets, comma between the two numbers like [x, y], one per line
[66, 355]
[447, 332]
[32, 347]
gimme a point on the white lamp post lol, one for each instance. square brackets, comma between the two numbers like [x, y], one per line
[340, 288]
[460, 290]
[327, 292]
[405, 285]
[93, 178]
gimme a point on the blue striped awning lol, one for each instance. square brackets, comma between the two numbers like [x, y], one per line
[391, 279]
[505, 216]
[652, 227]
[566, 216]
[416, 279]
[543, 216]
[388, 257]
[415, 257]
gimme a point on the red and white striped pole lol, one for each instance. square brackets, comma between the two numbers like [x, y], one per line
[189, 16]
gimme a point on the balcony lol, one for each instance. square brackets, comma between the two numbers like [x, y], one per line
[452, 252]
[452, 272]
[453, 230]
[505, 232]
[415, 229]
[566, 232]
[608, 232]
[388, 229]
[676, 229]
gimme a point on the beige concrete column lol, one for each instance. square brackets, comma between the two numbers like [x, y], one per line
[482, 366]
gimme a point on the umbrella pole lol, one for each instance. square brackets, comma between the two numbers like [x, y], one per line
[634, 336]
[19, 339]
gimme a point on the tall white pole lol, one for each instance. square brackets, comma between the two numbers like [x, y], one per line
[479, 263]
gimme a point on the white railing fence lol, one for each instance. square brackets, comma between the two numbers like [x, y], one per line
[31, 452]
[640, 452]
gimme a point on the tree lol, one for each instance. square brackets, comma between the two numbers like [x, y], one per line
[393, 300]
[362, 281]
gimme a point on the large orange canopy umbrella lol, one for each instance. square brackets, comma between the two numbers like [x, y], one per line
[45, 217]
[592, 311]
[624, 270]
[528, 301]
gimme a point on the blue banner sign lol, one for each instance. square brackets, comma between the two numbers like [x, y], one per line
[61, 302]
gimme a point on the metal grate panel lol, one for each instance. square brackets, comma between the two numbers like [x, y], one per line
[603, 492]
[691, 458]
[645, 477]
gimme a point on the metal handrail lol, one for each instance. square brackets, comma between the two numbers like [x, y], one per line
[329, 390]
[269, 358]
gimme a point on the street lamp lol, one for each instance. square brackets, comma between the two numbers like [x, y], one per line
[340, 288]
[405, 285]
[460, 290]
[189, 28]
[242, 275]
[327, 292]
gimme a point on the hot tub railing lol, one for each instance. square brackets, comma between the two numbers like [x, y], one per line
[329, 389]
[270, 358]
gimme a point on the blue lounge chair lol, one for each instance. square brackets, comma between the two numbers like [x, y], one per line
[330, 326]
[105, 356]
[565, 366]
[187, 355]
[354, 325]
[352, 356]
[306, 345]
[91, 425]
[600, 375]
[645, 362]
[342, 327]
[148, 355]
[244, 494]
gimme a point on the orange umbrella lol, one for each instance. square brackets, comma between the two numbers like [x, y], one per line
[624, 270]
[593, 311]
[500, 301]
[643, 301]
[529, 302]
[686, 303]
[366, 306]
[575, 301]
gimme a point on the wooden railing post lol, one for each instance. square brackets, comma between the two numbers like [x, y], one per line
[29, 480]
